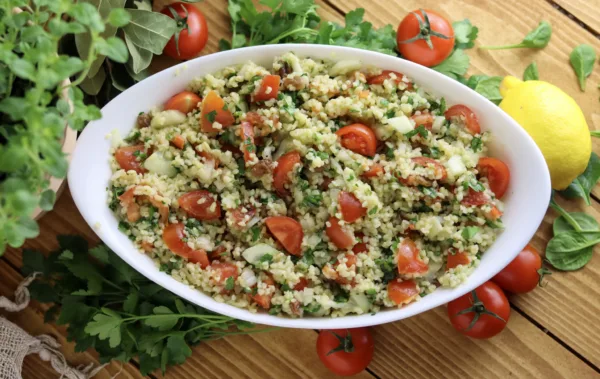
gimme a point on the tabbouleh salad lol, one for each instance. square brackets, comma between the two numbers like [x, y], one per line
[308, 188]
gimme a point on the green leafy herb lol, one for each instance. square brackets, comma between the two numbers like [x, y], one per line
[266, 258]
[531, 72]
[487, 86]
[536, 39]
[582, 60]
[470, 232]
[255, 233]
[455, 66]
[420, 130]
[229, 283]
[211, 116]
[109, 306]
[464, 34]
[312, 200]
[476, 144]
[373, 211]
[584, 183]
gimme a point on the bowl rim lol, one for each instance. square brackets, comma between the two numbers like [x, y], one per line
[78, 189]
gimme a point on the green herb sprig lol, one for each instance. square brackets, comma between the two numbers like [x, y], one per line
[536, 39]
[109, 306]
[582, 60]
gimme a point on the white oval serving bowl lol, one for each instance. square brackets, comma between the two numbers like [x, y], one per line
[526, 200]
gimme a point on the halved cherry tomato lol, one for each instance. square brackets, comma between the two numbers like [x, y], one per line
[424, 119]
[439, 169]
[523, 274]
[345, 352]
[402, 291]
[460, 258]
[265, 300]
[360, 247]
[199, 205]
[288, 232]
[212, 110]
[302, 284]
[281, 174]
[127, 158]
[173, 236]
[497, 173]
[247, 135]
[386, 74]
[200, 257]
[337, 235]
[269, 88]
[350, 207]
[178, 141]
[408, 259]
[184, 102]
[491, 299]
[475, 198]
[192, 31]
[224, 271]
[359, 138]
[413, 33]
[465, 113]
[375, 170]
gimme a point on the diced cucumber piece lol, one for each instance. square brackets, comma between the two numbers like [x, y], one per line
[158, 164]
[255, 253]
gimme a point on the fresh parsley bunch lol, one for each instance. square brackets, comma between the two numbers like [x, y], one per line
[111, 307]
[33, 110]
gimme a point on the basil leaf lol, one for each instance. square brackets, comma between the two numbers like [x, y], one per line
[570, 261]
[531, 72]
[584, 183]
[535, 39]
[464, 34]
[585, 221]
[139, 59]
[455, 65]
[582, 60]
[150, 30]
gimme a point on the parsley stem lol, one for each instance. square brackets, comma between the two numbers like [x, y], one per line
[292, 32]
[88, 65]
[595, 133]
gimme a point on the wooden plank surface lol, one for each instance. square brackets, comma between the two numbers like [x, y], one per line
[426, 345]
[587, 11]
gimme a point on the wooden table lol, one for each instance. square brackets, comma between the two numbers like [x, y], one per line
[553, 332]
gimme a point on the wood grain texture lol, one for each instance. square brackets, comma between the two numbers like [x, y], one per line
[587, 11]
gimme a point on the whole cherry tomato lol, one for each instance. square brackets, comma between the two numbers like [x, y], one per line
[345, 351]
[192, 31]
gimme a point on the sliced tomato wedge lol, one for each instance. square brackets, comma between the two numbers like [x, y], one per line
[288, 232]
[460, 258]
[424, 119]
[200, 205]
[264, 301]
[408, 259]
[133, 209]
[387, 74]
[302, 284]
[224, 270]
[375, 170]
[239, 217]
[475, 198]
[200, 257]
[402, 292]
[281, 173]
[350, 207]
[337, 235]
[212, 110]
[360, 247]
[208, 157]
[184, 102]
[497, 173]
[465, 114]
[127, 158]
[174, 239]
[269, 88]
[359, 138]
[247, 135]
[178, 141]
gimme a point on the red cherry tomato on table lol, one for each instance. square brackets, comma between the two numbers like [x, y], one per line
[523, 274]
[184, 102]
[402, 292]
[496, 172]
[345, 351]
[482, 316]
[269, 88]
[128, 158]
[281, 173]
[337, 235]
[425, 40]
[408, 258]
[212, 110]
[466, 115]
[350, 207]
[359, 138]
[192, 32]
[199, 205]
[288, 232]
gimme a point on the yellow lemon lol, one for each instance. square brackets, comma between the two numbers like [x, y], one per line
[554, 121]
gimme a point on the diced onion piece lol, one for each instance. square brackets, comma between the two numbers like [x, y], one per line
[158, 164]
[344, 67]
[247, 278]
[167, 118]
[456, 166]
[401, 124]
[438, 121]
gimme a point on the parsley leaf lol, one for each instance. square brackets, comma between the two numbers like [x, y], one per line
[420, 130]
[455, 66]
[464, 34]
[476, 144]
[229, 283]
[211, 116]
